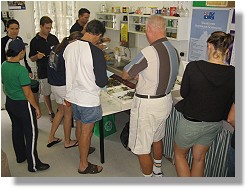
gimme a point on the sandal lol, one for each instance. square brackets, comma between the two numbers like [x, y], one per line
[91, 169]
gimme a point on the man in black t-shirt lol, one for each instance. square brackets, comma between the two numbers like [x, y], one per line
[40, 48]
[83, 18]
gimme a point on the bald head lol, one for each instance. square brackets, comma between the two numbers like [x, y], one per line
[155, 28]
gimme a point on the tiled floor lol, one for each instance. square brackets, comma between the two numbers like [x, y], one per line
[64, 162]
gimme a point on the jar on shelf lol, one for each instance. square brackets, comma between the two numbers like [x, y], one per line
[124, 9]
[175, 23]
[174, 34]
[170, 23]
[117, 9]
[168, 33]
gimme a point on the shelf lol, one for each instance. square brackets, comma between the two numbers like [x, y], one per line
[110, 20]
[107, 20]
[178, 27]
[137, 24]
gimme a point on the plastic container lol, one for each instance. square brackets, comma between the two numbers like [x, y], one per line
[108, 125]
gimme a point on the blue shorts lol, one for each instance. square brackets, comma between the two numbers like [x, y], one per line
[87, 115]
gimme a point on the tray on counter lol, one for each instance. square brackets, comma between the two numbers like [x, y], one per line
[117, 89]
[124, 97]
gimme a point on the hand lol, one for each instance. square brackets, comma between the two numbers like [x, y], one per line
[101, 46]
[38, 113]
[40, 55]
[106, 39]
[31, 75]
[136, 77]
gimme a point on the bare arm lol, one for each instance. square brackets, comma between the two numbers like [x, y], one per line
[30, 97]
[231, 116]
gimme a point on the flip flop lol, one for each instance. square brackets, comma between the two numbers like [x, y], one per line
[54, 142]
[91, 169]
[74, 145]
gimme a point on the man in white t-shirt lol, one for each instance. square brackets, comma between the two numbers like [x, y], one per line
[85, 76]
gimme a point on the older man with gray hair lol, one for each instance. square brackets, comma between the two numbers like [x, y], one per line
[155, 68]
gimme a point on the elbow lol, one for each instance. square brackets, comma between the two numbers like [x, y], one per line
[102, 83]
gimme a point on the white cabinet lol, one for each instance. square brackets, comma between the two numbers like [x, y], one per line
[177, 27]
[110, 20]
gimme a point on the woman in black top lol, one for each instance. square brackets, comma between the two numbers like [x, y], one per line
[208, 89]
[12, 27]
[57, 80]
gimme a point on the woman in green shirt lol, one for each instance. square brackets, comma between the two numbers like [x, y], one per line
[21, 107]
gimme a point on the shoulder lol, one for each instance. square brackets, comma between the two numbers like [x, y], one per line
[35, 38]
[53, 37]
[95, 49]
[18, 37]
[5, 38]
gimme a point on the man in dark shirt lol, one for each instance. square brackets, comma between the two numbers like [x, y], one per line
[83, 18]
[40, 48]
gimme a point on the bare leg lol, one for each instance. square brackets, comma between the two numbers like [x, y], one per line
[158, 150]
[199, 153]
[182, 166]
[146, 163]
[84, 144]
[48, 103]
[78, 130]
[67, 126]
[57, 119]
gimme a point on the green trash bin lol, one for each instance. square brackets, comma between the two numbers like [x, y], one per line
[108, 125]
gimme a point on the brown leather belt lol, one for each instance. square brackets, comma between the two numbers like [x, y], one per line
[150, 97]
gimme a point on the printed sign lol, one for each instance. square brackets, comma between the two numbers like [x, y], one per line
[204, 22]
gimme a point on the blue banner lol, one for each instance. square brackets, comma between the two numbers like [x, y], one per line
[204, 22]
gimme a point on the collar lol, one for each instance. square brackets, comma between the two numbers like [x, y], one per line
[40, 37]
[160, 40]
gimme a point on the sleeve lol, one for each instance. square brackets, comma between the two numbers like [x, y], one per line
[3, 53]
[32, 50]
[26, 64]
[72, 29]
[184, 90]
[24, 77]
[100, 67]
[138, 64]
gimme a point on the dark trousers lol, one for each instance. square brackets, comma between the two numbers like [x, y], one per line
[24, 131]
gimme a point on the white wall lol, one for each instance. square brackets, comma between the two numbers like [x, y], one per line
[26, 18]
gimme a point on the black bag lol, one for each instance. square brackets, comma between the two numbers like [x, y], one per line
[34, 85]
[124, 136]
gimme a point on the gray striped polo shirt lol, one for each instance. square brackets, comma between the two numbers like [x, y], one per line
[157, 67]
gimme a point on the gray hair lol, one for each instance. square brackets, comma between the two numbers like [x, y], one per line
[156, 22]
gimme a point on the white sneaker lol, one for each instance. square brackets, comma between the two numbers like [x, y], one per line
[161, 174]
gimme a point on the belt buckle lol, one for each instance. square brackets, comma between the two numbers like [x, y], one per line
[148, 96]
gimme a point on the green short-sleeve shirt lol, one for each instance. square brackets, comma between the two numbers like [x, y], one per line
[14, 77]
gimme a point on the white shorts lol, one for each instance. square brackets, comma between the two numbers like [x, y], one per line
[147, 122]
[45, 87]
[59, 93]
